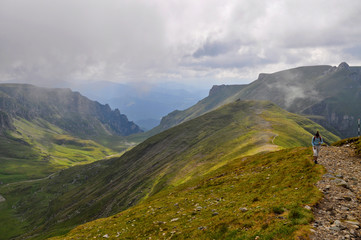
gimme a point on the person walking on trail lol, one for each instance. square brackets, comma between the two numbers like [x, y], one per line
[316, 145]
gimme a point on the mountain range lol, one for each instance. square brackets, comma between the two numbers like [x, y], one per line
[43, 130]
[145, 104]
[233, 166]
[172, 158]
[326, 94]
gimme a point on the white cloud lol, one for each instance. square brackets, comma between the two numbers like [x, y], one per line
[138, 40]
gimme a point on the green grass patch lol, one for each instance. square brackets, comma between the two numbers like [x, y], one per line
[176, 157]
[222, 205]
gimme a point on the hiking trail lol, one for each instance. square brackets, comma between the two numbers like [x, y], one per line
[338, 214]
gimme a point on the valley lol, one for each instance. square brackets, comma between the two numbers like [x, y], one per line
[170, 159]
[238, 157]
[45, 130]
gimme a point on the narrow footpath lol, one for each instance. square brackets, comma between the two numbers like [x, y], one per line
[338, 214]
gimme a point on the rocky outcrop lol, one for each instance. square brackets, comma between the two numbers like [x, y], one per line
[2, 199]
[224, 89]
[216, 88]
[5, 122]
[343, 66]
[342, 122]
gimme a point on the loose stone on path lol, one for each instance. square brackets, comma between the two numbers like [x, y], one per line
[337, 215]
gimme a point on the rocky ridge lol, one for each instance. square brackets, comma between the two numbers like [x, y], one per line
[338, 214]
[64, 108]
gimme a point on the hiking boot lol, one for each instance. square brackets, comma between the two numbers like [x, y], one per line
[316, 162]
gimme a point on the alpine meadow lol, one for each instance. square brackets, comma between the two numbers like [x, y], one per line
[172, 120]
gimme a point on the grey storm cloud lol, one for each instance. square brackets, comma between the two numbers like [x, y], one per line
[140, 40]
[216, 48]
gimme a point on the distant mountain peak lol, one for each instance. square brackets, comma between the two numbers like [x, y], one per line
[64, 108]
[261, 76]
[216, 88]
[342, 66]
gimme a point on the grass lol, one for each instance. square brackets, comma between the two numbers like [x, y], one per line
[262, 195]
[173, 158]
[34, 151]
[37, 149]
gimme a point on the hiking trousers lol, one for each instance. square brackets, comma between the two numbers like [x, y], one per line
[316, 150]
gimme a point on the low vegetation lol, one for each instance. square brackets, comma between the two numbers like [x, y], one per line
[37, 149]
[170, 159]
[264, 195]
[355, 142]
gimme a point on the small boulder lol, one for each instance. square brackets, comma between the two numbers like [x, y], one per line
[243, 209]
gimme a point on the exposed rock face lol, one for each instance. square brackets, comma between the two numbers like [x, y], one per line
[2, 199]
[345, 124]
[343, 66]
[5, 122]
[68, 110]
[216, 88]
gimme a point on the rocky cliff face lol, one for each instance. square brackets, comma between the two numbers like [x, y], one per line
[5, 122]
[68, 110]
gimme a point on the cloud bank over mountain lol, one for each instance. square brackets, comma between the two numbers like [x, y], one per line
[186, 41]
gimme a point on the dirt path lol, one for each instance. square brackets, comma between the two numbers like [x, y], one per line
[338, 215]
[32, 180]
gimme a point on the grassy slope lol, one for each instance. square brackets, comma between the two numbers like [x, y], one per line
[171, 158]
[39, 148]
[210, 103]
[320, 91]
[34, 151]
[263, 195]
[270, 87]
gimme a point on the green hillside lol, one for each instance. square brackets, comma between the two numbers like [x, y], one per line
[328, 95]
[43, 130]
[38, 148]
[264, 195]
[172, 158]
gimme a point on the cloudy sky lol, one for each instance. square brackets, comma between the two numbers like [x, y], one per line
[189, 41]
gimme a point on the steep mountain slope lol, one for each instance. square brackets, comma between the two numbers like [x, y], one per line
[43, 130]
[218, 96]
[171, 158]
[65, 109]
[144, 103]
[265, 196]
[329, 95]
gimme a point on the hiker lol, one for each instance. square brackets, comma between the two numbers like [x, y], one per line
[316, 145]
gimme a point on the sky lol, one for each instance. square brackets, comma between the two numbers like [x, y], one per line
[196, 42]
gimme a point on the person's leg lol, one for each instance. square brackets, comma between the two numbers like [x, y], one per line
[318, 148]
[315, 154]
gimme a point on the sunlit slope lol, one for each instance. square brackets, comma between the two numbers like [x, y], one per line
[173, 157]
[45, 129]
[263, 195]
[36, 149]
